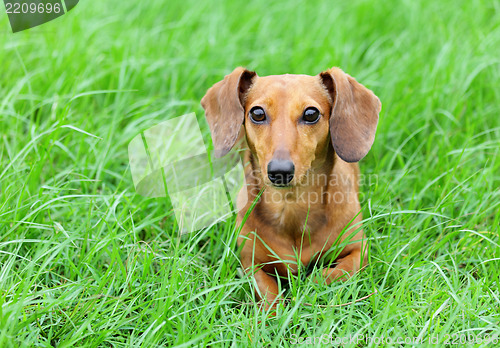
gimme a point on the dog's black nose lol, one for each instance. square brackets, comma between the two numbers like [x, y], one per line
[280, 172]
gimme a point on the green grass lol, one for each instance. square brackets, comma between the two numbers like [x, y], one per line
[84, 261]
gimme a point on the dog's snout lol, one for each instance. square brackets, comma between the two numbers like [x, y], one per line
[280, 172]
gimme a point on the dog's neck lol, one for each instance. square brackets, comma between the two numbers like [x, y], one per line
[289, 208]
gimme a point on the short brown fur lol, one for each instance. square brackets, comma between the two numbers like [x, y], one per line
[285, 229]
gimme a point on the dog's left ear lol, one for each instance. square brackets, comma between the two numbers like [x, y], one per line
[224, 108]
[354, 116]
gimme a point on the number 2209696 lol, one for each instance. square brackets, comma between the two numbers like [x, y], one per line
[32, 8]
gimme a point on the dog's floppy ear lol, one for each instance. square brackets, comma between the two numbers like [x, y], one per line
[224, 108]
[354, 117]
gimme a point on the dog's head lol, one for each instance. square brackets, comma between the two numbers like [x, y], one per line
[290, 119]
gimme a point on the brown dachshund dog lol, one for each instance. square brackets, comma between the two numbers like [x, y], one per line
[303, 136]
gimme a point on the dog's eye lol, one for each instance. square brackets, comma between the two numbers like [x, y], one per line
[311, 115]
[257, 114]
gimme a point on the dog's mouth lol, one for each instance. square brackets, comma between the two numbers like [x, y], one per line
[282, 186]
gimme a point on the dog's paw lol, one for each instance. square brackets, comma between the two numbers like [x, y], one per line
[329, 275]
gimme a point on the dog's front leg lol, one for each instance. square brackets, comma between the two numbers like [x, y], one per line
[254, 261]
[267, 289]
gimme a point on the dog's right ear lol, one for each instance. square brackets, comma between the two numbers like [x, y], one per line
[224, 108]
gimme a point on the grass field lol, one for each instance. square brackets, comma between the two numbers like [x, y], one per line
[85, 261]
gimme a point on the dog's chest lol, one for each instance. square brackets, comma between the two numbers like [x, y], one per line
[292, 234]
[293, 218]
